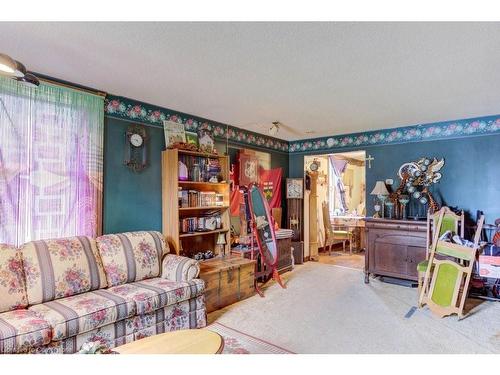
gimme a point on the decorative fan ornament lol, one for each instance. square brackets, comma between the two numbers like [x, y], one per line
[416, 178]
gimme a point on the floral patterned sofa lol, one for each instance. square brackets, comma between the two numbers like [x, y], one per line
[57, 294]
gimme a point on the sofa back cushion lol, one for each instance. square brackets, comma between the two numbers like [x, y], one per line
[12, 282]
[61, 267]
[132, 256]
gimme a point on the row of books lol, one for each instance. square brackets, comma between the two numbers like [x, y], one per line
[200, 224]
[194, 198]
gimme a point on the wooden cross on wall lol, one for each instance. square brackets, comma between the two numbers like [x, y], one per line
[369, 160]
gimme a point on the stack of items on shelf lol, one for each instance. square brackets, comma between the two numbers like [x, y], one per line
[200, 224]
[194, 198]
[283, 233]
[199, 169]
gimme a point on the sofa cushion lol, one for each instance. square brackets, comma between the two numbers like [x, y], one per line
[12, 283]
[170, 292]
[153, 294]
[145, 300]
[61, 268]
[21, 330]
[177, 268]
[132, 256]
[84, 312]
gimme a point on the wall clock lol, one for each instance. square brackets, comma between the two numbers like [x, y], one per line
[295, 188]
[314, 166]
[136, 148]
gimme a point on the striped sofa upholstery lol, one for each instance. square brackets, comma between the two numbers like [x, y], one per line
[112, 289]
[61, 267]
[12, 280]
[132, 256]
[179, 268]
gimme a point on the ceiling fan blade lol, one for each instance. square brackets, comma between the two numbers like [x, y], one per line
[289, 129]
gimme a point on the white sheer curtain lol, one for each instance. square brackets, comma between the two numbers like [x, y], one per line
[51, 151]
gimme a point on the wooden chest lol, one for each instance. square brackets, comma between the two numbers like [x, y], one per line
[227, 280]
[284, 255]
[394, 247]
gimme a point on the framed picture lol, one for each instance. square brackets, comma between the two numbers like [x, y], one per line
[249, 169]
[206, 141]
[192, 138]
[174, 133]
[295, 188]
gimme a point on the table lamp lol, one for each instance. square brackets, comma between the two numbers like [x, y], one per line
[380, 190]
[221, 244]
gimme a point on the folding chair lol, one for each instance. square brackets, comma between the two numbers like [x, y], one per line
[451, 222]
[446, 282]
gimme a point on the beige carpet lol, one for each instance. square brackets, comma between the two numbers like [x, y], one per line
[328, 309]
[339, 258]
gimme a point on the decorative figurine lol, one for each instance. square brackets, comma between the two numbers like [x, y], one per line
[416, 178]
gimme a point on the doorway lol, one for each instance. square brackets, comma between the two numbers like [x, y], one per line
[341, 185]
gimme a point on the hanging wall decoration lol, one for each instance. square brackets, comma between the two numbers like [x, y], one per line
[416, 179]
[136, 154]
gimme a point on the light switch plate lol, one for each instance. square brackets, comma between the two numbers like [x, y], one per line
[389, 181]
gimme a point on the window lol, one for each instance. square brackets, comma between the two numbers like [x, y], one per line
[51, 150]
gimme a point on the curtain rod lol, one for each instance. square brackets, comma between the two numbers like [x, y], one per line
[69, 86]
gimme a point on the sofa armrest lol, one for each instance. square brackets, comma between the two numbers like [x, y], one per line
[178, 268]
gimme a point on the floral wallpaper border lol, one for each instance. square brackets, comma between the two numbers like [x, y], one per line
[124, 108]
[120, 107]
[416, 133]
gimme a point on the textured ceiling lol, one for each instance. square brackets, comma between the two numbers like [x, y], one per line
[329, 78]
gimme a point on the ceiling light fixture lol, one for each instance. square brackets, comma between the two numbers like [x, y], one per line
[8, 65]
[16, 70]
[20, 70]
[29, 80]
[274, 129]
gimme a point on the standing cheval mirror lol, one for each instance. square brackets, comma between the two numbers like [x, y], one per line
[263, 227]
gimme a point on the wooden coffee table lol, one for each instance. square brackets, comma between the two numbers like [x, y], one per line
[188, 341]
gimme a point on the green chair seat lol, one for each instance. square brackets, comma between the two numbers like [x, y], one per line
[422, 266]
[339, 234]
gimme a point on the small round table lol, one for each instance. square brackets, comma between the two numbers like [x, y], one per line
[188, 341]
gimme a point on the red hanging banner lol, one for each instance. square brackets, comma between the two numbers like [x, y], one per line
[270, 184]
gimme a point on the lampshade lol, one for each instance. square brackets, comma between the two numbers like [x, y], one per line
[20, 70]
[8, 65]
[380, 189]
[221, 239]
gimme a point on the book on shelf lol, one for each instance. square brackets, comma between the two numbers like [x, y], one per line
[200, 224]
[194, 198]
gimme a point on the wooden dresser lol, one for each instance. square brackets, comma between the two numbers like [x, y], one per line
[394, 247]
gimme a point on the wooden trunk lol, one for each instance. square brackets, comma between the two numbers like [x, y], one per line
[227, 280]
[394, 247]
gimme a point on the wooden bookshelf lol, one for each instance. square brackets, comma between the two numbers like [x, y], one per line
[190, 243]
[205, 233]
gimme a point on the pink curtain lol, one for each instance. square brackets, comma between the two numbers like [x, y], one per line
[51, 150]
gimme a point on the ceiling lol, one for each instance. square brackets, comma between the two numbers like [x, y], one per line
[315, 78]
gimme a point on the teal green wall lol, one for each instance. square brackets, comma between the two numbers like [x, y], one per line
[471, 175]
[132, 201]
